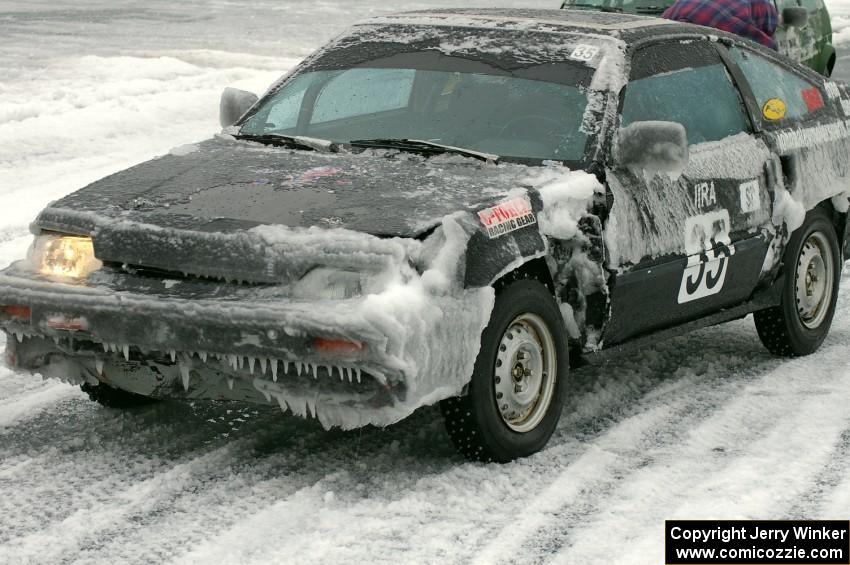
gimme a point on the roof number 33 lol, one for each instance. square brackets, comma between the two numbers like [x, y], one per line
[584, 52]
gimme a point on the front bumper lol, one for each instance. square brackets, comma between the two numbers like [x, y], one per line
[195, 338]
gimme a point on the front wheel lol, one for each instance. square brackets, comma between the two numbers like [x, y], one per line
[802, 320]
[514, 399]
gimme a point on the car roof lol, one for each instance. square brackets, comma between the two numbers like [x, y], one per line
[626, 27]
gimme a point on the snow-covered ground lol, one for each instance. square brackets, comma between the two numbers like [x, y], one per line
[707, 425]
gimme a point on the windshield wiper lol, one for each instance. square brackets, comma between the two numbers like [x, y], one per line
[422, 146]
[296, 141]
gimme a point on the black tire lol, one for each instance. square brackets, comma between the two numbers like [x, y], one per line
[477, 426]
[794, 328]
[112, 397]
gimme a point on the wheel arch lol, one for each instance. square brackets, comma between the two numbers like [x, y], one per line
[839, 222]
[534, 268]
[829, 65]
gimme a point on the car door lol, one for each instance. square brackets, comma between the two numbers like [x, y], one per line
[802, 117]
[686, 245]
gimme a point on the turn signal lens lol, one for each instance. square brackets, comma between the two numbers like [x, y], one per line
[342, 347]
[18, 311]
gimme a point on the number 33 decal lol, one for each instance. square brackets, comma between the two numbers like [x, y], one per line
[709, 248]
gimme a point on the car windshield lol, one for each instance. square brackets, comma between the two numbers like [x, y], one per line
[512, 108]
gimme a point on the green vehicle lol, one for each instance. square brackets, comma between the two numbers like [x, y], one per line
[804, 33]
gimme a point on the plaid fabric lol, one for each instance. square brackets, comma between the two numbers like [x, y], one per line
[753, 19]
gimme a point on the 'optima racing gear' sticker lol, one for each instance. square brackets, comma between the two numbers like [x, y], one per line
[507, 216]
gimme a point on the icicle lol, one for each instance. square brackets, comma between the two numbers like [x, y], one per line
[298, 367]
[98, 365]
[263, 365]
[273, 363]
[173, 355]
[126, 350]
[357, 372]
[251, 362]
[230, 383]
[239, 362]
[105, 347]
[56, 340]
[285, 367]
[232, 361]
[184, 372]
[203, 356]
[20, 337]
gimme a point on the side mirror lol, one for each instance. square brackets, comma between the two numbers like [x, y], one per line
[795, 16]
[653, 147]
[234, 103]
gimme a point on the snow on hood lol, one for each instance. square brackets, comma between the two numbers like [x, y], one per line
[223, 184]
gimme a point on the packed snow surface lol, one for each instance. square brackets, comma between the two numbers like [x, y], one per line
[708, 425]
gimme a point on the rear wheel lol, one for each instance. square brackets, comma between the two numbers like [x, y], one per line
[112, 397]
[515, 396]
[802, 320]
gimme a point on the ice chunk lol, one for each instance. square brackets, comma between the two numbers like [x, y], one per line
[566, 197]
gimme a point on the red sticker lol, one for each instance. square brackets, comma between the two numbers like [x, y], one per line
[507, 216]
[813, 99]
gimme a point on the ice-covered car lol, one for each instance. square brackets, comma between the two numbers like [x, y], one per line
[448, 207]
[804, 32]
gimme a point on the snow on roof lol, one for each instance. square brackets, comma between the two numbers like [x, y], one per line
[553, 21]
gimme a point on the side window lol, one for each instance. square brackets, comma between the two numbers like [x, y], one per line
[357, 92]
[685, 83]
[780, 93]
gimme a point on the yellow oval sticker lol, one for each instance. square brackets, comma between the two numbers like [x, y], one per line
[774, 109]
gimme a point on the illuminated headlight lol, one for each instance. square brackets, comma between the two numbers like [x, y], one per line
[330, 284]
[65, 256]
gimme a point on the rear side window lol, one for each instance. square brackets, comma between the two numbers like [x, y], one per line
[780, 93]
[685, 83]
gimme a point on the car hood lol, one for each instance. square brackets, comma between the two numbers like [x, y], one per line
[227, 185]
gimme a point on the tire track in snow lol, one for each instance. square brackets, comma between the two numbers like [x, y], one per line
[826, 484]
[45, 547]
[730, 467]
[32, 402]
